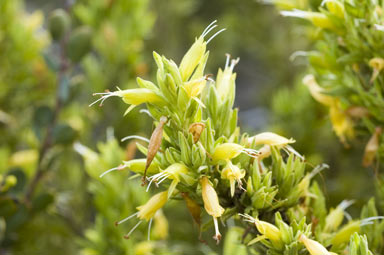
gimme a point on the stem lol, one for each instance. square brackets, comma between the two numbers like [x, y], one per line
[47, 141]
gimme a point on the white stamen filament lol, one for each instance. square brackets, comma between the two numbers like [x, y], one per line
[213, 36]
[369, 220]
[125, 219]
[207, 28]
[317, 170]
[135, 137]
[227, 60]
[112, 169]
[298, 54]
[234, 62]
[133, 229]
[217, 236]
[345, 204]
[105, 95]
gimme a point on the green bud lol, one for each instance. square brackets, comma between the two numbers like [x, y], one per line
[58, 24]
[79, 43]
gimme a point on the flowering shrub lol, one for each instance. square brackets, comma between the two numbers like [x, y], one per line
[197, 153]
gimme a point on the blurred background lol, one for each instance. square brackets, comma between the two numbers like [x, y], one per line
[53, 147]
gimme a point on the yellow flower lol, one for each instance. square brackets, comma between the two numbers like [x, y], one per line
[211, 204]
[148, 210]
[266, 229]
[269, 138]
[227, 151]
[314, 247]
[136, 166]
[194, 87]
[232, 173]
[336, 216]
[342, 124]
[318, 19]
[174, 172]
[372, 147]
[196, 54]
[225, 81]
[160, 228]
[317, 92]
[134, 97]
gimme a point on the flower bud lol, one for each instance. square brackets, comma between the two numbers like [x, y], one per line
[268, 230]
[79, 43]
[314, 247]
[344, 234]
[269, 138]
[148, 210]
[58, 23]
[144, 248]
[317, 91]
[227, 151]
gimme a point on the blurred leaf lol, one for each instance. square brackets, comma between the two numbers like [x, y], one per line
[64, 134]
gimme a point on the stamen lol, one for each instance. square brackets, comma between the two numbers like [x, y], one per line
[317, 170]
[290, 149]
[147, 112]
[105, 95]
[297, 54]
[149, 229]
[234, 62]
[213, 36]
[133, 229]
[209, 30]
[227, 60]
[348, 216]
[121, 167]
[135, 137]
[217, 235]
[208, 27]
[369, 220]
[247, 217]
[345, 204]
[124, 220]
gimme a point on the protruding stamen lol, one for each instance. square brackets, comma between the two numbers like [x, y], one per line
[133, 229]
[317, 170]
[207, 28]
[149, 229]
[369, 220]
[297, 54]
[234, 62]
[124, 220]
[227, 60]
[121, 167]
[217, 235]
[213, 36]
[345, 204]
[135, 137]
[104, 95]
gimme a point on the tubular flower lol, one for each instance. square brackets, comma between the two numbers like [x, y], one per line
[269, 138]
[136, 166]
[317, 92]
[134, 97]
[211, 204]
[341, 123]
[225, 80]
[345, 233]
[147, 211]
[336, 216]
[318, 19]
[234, 174]
[314, 247]
[267, 230]
[173, 172]
[194, 87]
[196, 53]
[227, 151]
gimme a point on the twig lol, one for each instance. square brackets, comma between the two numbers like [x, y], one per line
[47, 142]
